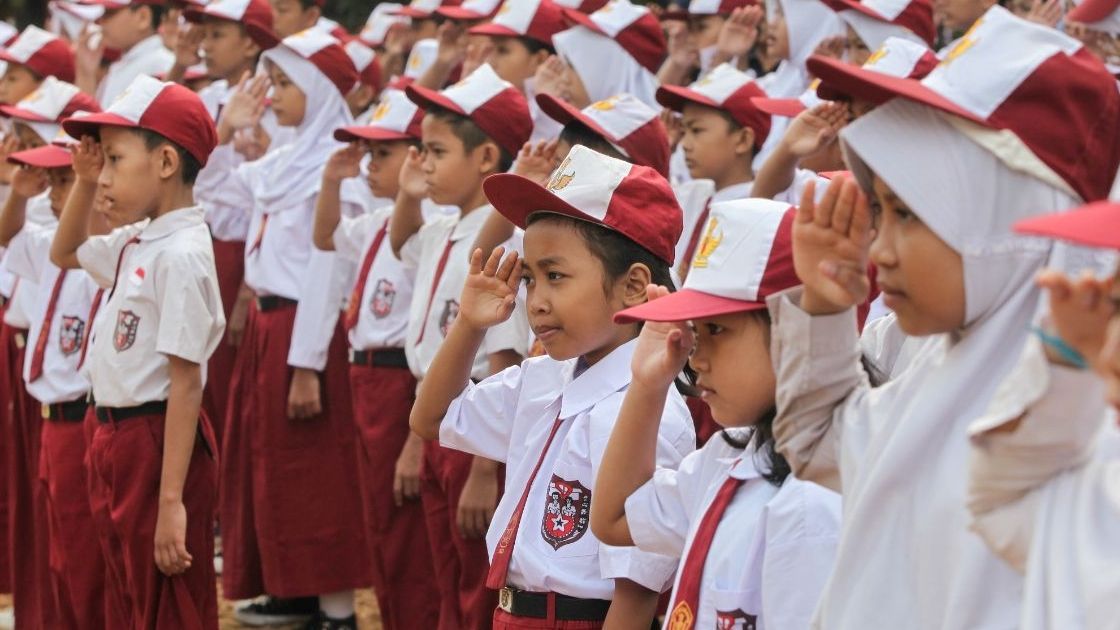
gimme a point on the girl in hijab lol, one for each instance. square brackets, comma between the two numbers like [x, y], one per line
[290, 453]
[794, 28]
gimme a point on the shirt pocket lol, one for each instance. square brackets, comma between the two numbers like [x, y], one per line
[565, 522]
[735, 609]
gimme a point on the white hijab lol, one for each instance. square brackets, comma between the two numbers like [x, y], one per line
[905, 518]
[808, 22]
[604, 66]
[287, 176]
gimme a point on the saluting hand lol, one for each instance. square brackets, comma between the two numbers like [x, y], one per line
[831, 243]
[490, 292]
[1080, 311]
[662, 350]
[87, 160]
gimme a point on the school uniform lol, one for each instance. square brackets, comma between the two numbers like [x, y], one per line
[75, 575]
[164, 300]
[549, 422]
[148, 57]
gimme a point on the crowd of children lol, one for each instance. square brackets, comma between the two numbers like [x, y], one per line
[561, 314]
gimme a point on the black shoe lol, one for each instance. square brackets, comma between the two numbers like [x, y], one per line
[322, 622]
[276, 611]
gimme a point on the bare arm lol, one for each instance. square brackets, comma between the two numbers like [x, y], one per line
[343, 164]
[180, 430]
[73, 224]
[26, 183]
[407, 218]
[633, 606]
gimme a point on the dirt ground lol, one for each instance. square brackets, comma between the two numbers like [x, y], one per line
[368, 616]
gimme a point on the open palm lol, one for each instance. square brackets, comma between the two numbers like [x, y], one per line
[490, 292]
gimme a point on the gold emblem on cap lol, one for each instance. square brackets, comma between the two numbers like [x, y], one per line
[607, 104]
[682, 617]
[876, 56]
[708, 244]
[560, 179]
[380, 112]
[963, 45]
[415, 62]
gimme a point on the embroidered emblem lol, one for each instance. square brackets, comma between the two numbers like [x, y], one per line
[875, 57]
[560, 179]
[606, 104]
[735, 620]
[963, 44]
[70, 334]
[125, 334]
[380, 112]
[383, 296]
[567, 511]
[450, 312]
[682, 617]
[708, 245]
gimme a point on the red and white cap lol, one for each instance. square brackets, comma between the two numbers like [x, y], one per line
[324, 52]
[396, 118]
[634, 27]
[897, 57]
[698, 8]
[8, 34]
[44, 53]
[535, 19]
[876, 20]
[420, 58]
[1052, 96]
[423, 9]
[46, 156]
[1103, 15]
[365, 62]
[171, 110]
[380, 22]
[51, 103]
[1095, 225]
[727, 89]
[745, 256]
[255, 15]
[631, 126]
[587, 6]
[470, 10]
[635, 201]
[120, 4]
[496, 106]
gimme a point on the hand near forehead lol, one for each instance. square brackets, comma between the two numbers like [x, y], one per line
[246, 105]
[28, 181]
[673, 127]
[477, 51]
[536, 162]
[739, 32]
[815, 129]
[662, 349]
[8, 146]
[552, 78]
[831, 240]
[452, 43]
[89, 50]
[682, 49]
[88, 159]
[1080, 310]
[187, 44]
[832, 47]
[411, 178]
[344, 163]
[490, 292]
[1045, 12]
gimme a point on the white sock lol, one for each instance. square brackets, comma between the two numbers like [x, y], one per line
[338, 605]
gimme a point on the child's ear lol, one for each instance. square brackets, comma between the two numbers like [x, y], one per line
[744, 142]
[168, 161]
[490, 158]
[634, 285]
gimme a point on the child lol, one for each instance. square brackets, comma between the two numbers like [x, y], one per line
[769, 562]
[869, 24]
[470, 131]
[152, 461]
[906, 439]
[33, 56]
[132, 27]
[596, 236]
[289, 524]
[380, 383]
[794, 28]
[294, 16]
[723, 131]
[694, 37]
[1043, 473]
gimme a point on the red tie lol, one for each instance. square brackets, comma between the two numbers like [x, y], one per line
[683, 615]
[120, 260]
[435, 285]
[354, 307]
[693, 241]
[503, 553]
[45, 329]
[260, 234]
[89, 326]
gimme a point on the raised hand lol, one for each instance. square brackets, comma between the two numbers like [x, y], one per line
[536, 162]
[490, 292]
[1080, 310]
[344, 163]
[477, 51]
[662, 348]
[831, 240]
[552, 78]
[1045, 12]
[683, 54]
[739, 32]
[187, 44]
[411, 178]
[8, 146]
[452, 39]
[89, 51]
[245, 106]
[814, 129]
[87, 160]
[673, 127]
[252, 143]
[832, 47]
[28, 181]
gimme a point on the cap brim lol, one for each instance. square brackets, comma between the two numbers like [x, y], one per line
[47, 156]
[787, 107]
[1091, 11]
[564, 112]
[675, 97]
[425, 98]
[839, 79]
[11, 111]
[846, 5]
[494, 30]
[516, 197]
[459, 13]
[413, 13]
[367, 132]
[684, 305]
[90, 125]
[1095, 225]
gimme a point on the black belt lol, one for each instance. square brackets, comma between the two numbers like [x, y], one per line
[266, 303]
[389, 357]
[3, 301]
[73, 411]
[106, 415]
[535, 605]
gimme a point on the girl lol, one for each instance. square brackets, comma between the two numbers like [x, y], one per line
[588, 254]
[794, 28]
[770, 558]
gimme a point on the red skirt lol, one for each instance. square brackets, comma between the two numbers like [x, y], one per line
[229, 258]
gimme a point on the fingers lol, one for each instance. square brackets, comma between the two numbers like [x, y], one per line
[808, 203]
[845, 206]
[860, 230]
[822, 212]
[476, 262]
[505, 269]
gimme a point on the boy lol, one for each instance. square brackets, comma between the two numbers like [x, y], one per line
[33, 56]
[723, 132]
[152, 457]
[382, 388]
[694, 40]
[471, 130]
[292, 16]
[133, 29]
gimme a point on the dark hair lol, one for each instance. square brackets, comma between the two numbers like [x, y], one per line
[307, 4]
[190, 165]
[156, 13]
[472, 136]
[576, 132]
[534, 46]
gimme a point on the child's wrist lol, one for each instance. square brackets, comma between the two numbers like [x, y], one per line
[170, 499]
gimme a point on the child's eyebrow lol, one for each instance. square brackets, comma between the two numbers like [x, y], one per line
[549, 261]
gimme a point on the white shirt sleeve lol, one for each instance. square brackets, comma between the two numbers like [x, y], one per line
[99, 254]
[319, 306]
[190, 308]
[28, 252]
[352, 234]
[659, 513]
[480, 421]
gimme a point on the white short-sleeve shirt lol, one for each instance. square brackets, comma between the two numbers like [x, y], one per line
[148, 57]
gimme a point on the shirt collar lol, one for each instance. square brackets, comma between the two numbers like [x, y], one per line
[743, 466]
[471, 223]
[142, 48]
[609, 376]
[173, 221]
[732, 192]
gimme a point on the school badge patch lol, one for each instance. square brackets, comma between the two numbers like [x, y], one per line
[567, 511]
[384, 293]
[70, 335]
[735, 620]
[447, 317]
[125, 334]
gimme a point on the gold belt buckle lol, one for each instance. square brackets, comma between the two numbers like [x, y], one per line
[505, 599]
[46, 411]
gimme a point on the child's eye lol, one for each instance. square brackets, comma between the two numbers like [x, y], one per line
[714, 329]
[903, 214]
[554, 276]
